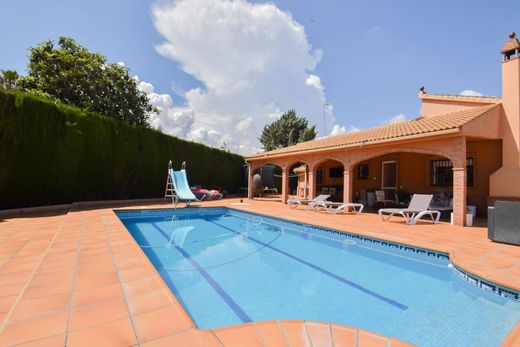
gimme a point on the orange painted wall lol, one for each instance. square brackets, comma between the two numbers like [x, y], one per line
[411, 173]
[433, 107]
[330, 181]
[504, 181]
[488, 157]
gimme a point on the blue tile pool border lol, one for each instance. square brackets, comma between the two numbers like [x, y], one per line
[487, 285]
[484, 284]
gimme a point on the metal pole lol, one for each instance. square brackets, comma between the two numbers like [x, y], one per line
[326, 103]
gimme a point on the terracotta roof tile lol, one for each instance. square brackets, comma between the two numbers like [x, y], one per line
[447, 121]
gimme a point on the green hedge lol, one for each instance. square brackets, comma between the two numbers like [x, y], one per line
[53, 154]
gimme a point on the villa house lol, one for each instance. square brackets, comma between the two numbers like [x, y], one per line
[465, 145]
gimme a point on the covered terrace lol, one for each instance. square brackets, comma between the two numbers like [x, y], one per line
[452, 153]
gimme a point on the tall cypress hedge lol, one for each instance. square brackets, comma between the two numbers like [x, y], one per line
[54, 153]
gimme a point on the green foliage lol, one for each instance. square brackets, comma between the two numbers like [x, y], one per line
[53, 153]
[75, 76]
[8, 79]
[288, 130]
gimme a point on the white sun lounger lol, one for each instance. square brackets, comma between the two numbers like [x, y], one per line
[338, 207]
[295, 202]
[418, 208]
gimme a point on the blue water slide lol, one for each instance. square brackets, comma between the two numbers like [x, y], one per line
[181, 186]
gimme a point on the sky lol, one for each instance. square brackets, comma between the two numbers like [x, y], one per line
[219, 70]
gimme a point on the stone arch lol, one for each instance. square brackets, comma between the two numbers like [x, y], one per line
[257, 165]
[323, 159]
[299, 185]
[298, 160]
[427, 151]
[335, 185]
[268, 174]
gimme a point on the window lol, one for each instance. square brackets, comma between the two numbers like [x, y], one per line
[336, 172]
[319, 176]
[442, 173]
[389, 175]
[469, 172]
[362, 172]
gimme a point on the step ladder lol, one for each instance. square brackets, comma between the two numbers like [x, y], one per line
[169, 192]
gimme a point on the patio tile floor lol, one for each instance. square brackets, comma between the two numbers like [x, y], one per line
[77, 278]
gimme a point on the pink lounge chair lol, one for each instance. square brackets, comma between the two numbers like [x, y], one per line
[205, 194]
[201, 194]
[215, 194]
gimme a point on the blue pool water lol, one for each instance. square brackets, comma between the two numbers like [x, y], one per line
[229, 267]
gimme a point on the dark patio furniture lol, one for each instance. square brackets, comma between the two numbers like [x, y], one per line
[504, 222]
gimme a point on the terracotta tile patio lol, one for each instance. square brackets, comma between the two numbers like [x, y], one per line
[77, 278]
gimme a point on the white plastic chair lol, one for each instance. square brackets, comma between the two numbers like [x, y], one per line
[381, 197]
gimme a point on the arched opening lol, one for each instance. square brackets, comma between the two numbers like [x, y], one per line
[328, 178]
[390, 180]
[267, 182]
[298, 180]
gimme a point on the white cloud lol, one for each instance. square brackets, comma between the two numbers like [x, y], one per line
[208, 136]
[244, 124]
[253, 61]
[172, 120]
[275, 115]
[469, 92]
[145, 86]
[341, 129]
[314, 81]
[338, 130]
[400, 118]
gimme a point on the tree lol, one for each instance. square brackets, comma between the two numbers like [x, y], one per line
[73, 75]
[288, 130]
[9, 79]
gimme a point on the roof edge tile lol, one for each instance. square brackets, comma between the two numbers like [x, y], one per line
[417, 127]
[464, 98]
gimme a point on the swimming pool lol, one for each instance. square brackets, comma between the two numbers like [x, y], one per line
[229, 267]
